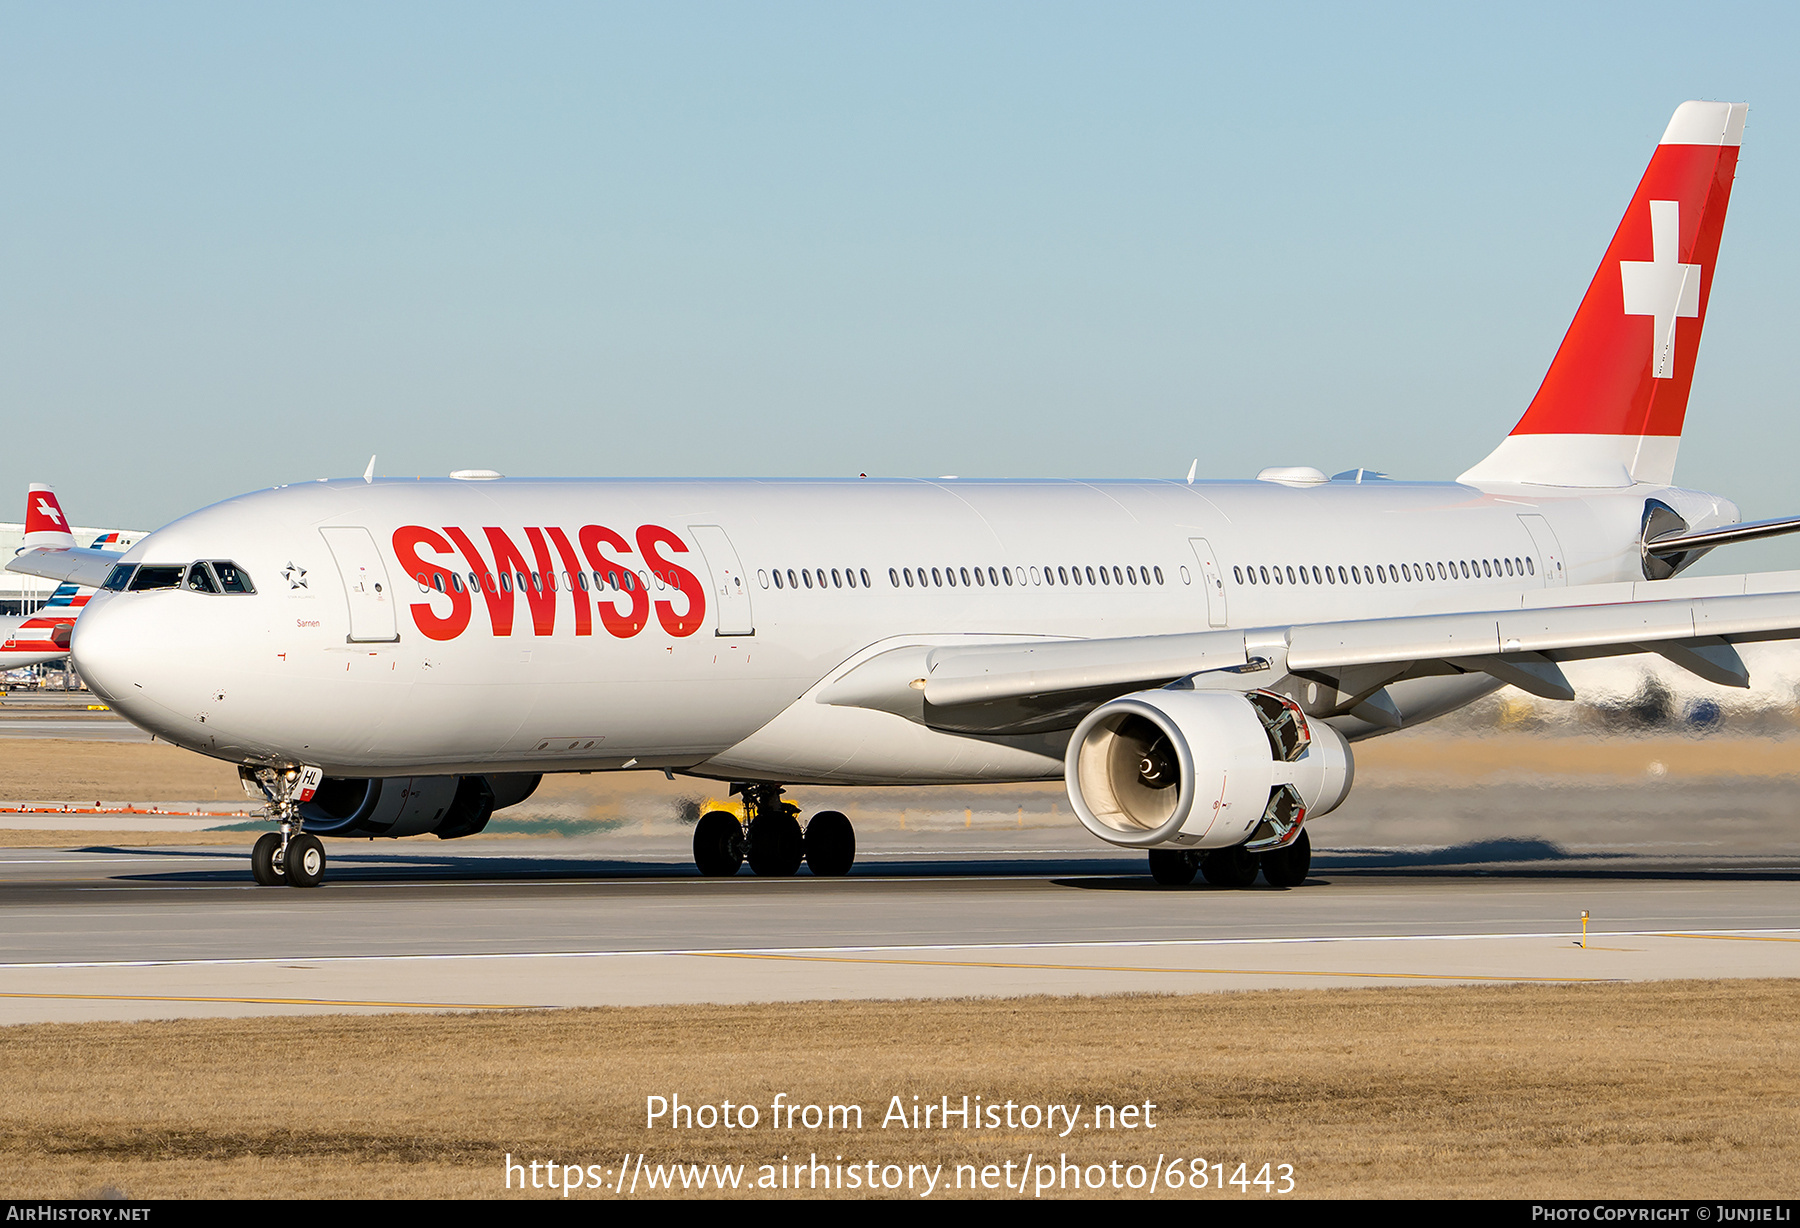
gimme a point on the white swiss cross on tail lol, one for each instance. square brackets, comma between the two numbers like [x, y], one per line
[1662, 287]
[1610, 410]
[45, 524]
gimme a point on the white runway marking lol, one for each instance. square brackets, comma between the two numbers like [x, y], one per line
[1777, 935]
[654, 880]
[97, 860]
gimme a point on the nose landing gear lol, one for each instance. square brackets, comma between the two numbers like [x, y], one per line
[292, 856]
[772, 841]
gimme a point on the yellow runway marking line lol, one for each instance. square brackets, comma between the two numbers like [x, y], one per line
[955, 963]
[143, 997]
[1732, 937]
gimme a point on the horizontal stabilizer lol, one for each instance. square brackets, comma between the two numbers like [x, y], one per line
[1754, 530]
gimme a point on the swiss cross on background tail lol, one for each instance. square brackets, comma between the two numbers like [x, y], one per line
[45, 524]
[1610, 410]
[1661, 287]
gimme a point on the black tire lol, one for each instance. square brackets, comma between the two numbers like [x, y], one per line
[718, 844]
[265, 861]
[830, 844]
[1233, 867]
[1174, 867]
[776, 845]
[1287, 867]
[305, 861]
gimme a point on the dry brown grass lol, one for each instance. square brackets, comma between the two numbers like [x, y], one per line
[72, 770]
[67, 769]
[1673, 1090]
[1464, 759]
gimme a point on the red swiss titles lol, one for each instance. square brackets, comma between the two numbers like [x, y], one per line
[590, 572]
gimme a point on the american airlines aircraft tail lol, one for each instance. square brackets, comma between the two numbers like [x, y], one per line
[1193, 660]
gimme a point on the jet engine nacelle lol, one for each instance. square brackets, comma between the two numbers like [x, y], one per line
[449, 806]
[1204, 769]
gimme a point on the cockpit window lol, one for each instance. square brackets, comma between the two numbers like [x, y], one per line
[200, 579]
[156, 576]
[119, 577]
[232, 578]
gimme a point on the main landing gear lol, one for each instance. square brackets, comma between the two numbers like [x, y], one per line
[290, 856]
[772, 840]
[1234, 867]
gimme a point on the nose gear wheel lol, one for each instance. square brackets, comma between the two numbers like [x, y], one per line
[292, 856]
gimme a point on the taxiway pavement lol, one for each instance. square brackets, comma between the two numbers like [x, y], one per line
[129, 933]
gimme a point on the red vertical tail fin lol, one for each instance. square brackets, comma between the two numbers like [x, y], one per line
[45, 524]
[1610, 409]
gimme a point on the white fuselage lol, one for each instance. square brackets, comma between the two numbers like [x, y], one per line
[320, 667]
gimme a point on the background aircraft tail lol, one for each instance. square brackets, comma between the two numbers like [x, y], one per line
[45, 524]
[1610, 409]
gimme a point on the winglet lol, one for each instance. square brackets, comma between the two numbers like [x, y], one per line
[369, 473]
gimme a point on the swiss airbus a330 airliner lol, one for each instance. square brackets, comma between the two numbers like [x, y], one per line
[389, 658]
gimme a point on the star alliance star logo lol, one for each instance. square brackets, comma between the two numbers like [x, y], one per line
[295, 576]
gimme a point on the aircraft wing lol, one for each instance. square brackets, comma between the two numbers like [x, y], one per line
[1050, 684]
[71, 564]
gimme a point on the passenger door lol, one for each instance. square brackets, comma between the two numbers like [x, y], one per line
[730, 587]
[1212, 579]
[1549, 551]
[366, 585]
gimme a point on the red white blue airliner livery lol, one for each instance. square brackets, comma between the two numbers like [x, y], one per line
[390, 658]
[43, 636]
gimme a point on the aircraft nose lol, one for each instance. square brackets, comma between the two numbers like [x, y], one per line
[112, 649]
[136, 652]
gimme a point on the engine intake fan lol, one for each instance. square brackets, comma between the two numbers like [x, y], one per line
[1204, 769]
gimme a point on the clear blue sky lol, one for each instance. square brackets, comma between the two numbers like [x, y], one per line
[250, 243]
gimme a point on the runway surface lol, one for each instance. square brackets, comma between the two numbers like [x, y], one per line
[80, 729]
[71, 715]
[125, 933]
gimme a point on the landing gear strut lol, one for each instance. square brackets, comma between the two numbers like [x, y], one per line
[293, 856]
[771, 839]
